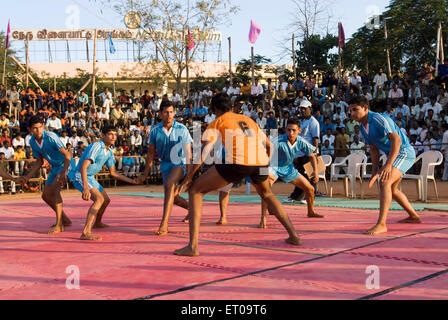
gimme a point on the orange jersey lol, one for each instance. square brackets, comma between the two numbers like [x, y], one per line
[244, 141]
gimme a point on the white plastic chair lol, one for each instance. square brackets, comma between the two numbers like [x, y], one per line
[327, 159]
[430, 160]
[353, 163]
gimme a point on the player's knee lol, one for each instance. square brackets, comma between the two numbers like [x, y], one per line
[385, 185]
[99, 200]
[106, 201]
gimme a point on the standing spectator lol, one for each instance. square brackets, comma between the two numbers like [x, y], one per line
[136, 142]
[15, 105]
[379, 80]
[106, 99]
[176, 99]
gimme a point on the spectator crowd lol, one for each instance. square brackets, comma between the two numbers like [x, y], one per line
[417, 100]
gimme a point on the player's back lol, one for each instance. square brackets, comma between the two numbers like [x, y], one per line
[244, 141]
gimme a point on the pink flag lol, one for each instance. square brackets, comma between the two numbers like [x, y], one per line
[341, 40]
[7, 36]
[254, 32]
[191, 42]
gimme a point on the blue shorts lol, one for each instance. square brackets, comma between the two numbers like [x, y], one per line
[75, 177]
[405, 160]
[167, 167]
[286, 173]
[56, 170]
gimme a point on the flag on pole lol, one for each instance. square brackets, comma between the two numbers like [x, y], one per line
[254, 32]
[112, 49]
[191, 42]
[7, 36]
[341, 39]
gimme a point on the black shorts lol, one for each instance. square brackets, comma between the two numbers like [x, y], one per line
[234, 173]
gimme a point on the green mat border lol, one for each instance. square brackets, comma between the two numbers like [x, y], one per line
[320, 202]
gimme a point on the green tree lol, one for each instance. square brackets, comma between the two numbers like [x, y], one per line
[243, 70]
[13, 73]
[176, 17]
[313, 53]
[412, 36]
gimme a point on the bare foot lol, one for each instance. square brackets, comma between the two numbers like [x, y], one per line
[100, 225]
[263, 224]
[222, 222]
[315, 215]
[90, 236]
[186, 252]
[162, 232]
[56, 229]
[378, 229]
[294, 241]
[415, 220]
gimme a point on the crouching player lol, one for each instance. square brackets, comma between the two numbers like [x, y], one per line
[286, 148]
[83, 177]
[381, 133]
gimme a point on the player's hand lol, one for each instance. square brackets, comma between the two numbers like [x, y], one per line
[86, 195]
[184, 186]
[62, 178]
[315, 179]
[140, 179]
[21, 180]
[385, 173]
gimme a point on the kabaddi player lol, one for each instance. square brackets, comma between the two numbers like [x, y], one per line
[83, 177]
[47, 145]
[286, 148]
[381, 133]
[247, 155]
[172, 141]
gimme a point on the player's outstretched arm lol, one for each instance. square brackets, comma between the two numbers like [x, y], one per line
[34, 169]
[149, 161]
[118, 176]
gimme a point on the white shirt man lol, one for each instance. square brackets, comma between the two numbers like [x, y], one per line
[379, 79]
[54, 123]
[18, 141]
[175, 98]
[233, 91]
[355, 80]
[404, 109]
[367, 95]
[330, 139]
[74, 141]
[27, 139]
[64, 140]
[207, 93]
[136, 140]
[209, 118]
[342, 104]
[417, 147]
[103, 114]
[340, 115]
[261, 122]
[132, 114]
[416, 132]
[437, 107]
[106, 96]
[257, 89]
[9, 152]
[357, 147]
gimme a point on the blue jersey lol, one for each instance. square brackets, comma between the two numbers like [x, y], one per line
[285, 153]
[50, 149]
[96, 152]
[379, 126]
[169, 145]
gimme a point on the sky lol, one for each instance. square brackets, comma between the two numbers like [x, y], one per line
[272, 15]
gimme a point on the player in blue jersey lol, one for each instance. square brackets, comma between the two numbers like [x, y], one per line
[172, 142]
[92, 161]
[286, 148]
[381, 133]
[47, 145]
